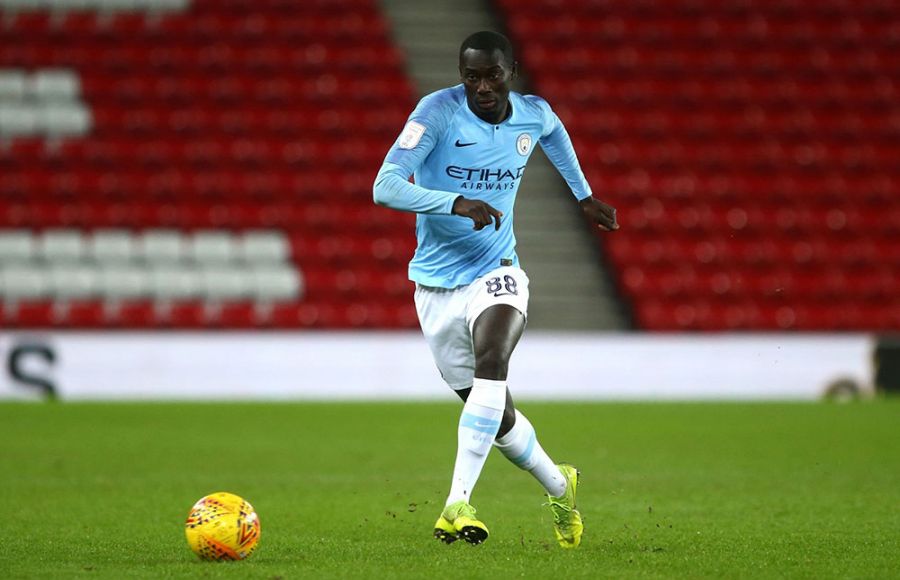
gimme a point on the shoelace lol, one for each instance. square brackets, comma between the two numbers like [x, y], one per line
[467, 511]
[560, 511]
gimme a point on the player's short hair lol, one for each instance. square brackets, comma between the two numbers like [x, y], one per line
[490, 41]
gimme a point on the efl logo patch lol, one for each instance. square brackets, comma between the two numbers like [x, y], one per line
[411, 135]
[523, 144]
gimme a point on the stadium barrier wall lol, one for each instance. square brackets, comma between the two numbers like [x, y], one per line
[397, 366]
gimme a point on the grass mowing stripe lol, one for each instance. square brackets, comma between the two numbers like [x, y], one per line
[352, 490]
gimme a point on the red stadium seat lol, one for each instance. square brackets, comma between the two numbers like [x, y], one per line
[32, 315]
[187, 315]
[239, 315]
[750, 148]
[751, 153]
[84, 315]
[139, 314]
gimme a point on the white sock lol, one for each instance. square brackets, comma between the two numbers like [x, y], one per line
[478, 425]
[520, 446]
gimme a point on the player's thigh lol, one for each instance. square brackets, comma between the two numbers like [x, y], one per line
[495, 334]
[506, 285]
[442, 317]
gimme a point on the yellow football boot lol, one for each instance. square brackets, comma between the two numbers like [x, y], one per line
[458, 521]
[566, 519]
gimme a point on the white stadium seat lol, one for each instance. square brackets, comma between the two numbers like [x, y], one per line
[59, 119]
[174, 283]
[72, 282]
[118, 5]
[168, 5]
[55, 85]
[68, 5]
[264, 246]
[213, 247]
[45, 102]
[221, 284]
[163, 265]
[110, 246]
[22, 5]
[18, 119]
[16, 246]
[12, 85]
[24, 282]
[276, 283]
[124, 283]
[162, 246]
[61, 245]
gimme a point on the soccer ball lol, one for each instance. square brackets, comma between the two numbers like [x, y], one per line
[222, 526]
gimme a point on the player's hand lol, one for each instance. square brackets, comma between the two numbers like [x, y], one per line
[602, 214]
[478, 211]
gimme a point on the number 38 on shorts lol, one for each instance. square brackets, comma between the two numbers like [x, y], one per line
[502, 286]
[448, 316]
[505, 285]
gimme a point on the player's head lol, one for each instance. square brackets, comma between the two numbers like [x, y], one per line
[486, 67]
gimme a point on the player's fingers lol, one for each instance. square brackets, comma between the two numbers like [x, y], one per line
[496, 214]
[484, 218]
[608, 219]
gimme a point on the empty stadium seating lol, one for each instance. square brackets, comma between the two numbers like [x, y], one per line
[45, 104]
[202, 163]
[67, 271]
[751, 148]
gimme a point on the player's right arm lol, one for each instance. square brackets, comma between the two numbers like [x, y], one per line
[419, 137]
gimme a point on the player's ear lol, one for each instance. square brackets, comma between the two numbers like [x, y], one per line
[514, 71]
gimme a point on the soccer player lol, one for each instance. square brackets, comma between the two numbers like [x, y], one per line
[467, 147]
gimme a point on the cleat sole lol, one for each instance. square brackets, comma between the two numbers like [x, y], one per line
[445, 537]
[474, 535]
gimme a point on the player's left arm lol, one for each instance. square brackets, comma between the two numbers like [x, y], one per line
[557, 144]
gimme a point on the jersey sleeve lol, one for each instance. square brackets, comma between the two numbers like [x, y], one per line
[422, 132]
[557, 145]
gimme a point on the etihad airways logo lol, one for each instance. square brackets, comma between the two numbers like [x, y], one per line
[484, 174]
[485, 178]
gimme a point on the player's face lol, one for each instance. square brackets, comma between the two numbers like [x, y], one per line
[486, 76]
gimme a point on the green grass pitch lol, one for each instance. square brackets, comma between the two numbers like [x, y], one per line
[352, 490]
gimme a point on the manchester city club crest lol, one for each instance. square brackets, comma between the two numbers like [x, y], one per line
[523, 144]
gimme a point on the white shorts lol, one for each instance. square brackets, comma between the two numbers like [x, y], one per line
[447, 317]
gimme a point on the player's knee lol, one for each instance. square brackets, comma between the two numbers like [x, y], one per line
[492, 363]
[507, 422]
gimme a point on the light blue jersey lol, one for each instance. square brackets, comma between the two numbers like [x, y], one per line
[451, 152]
